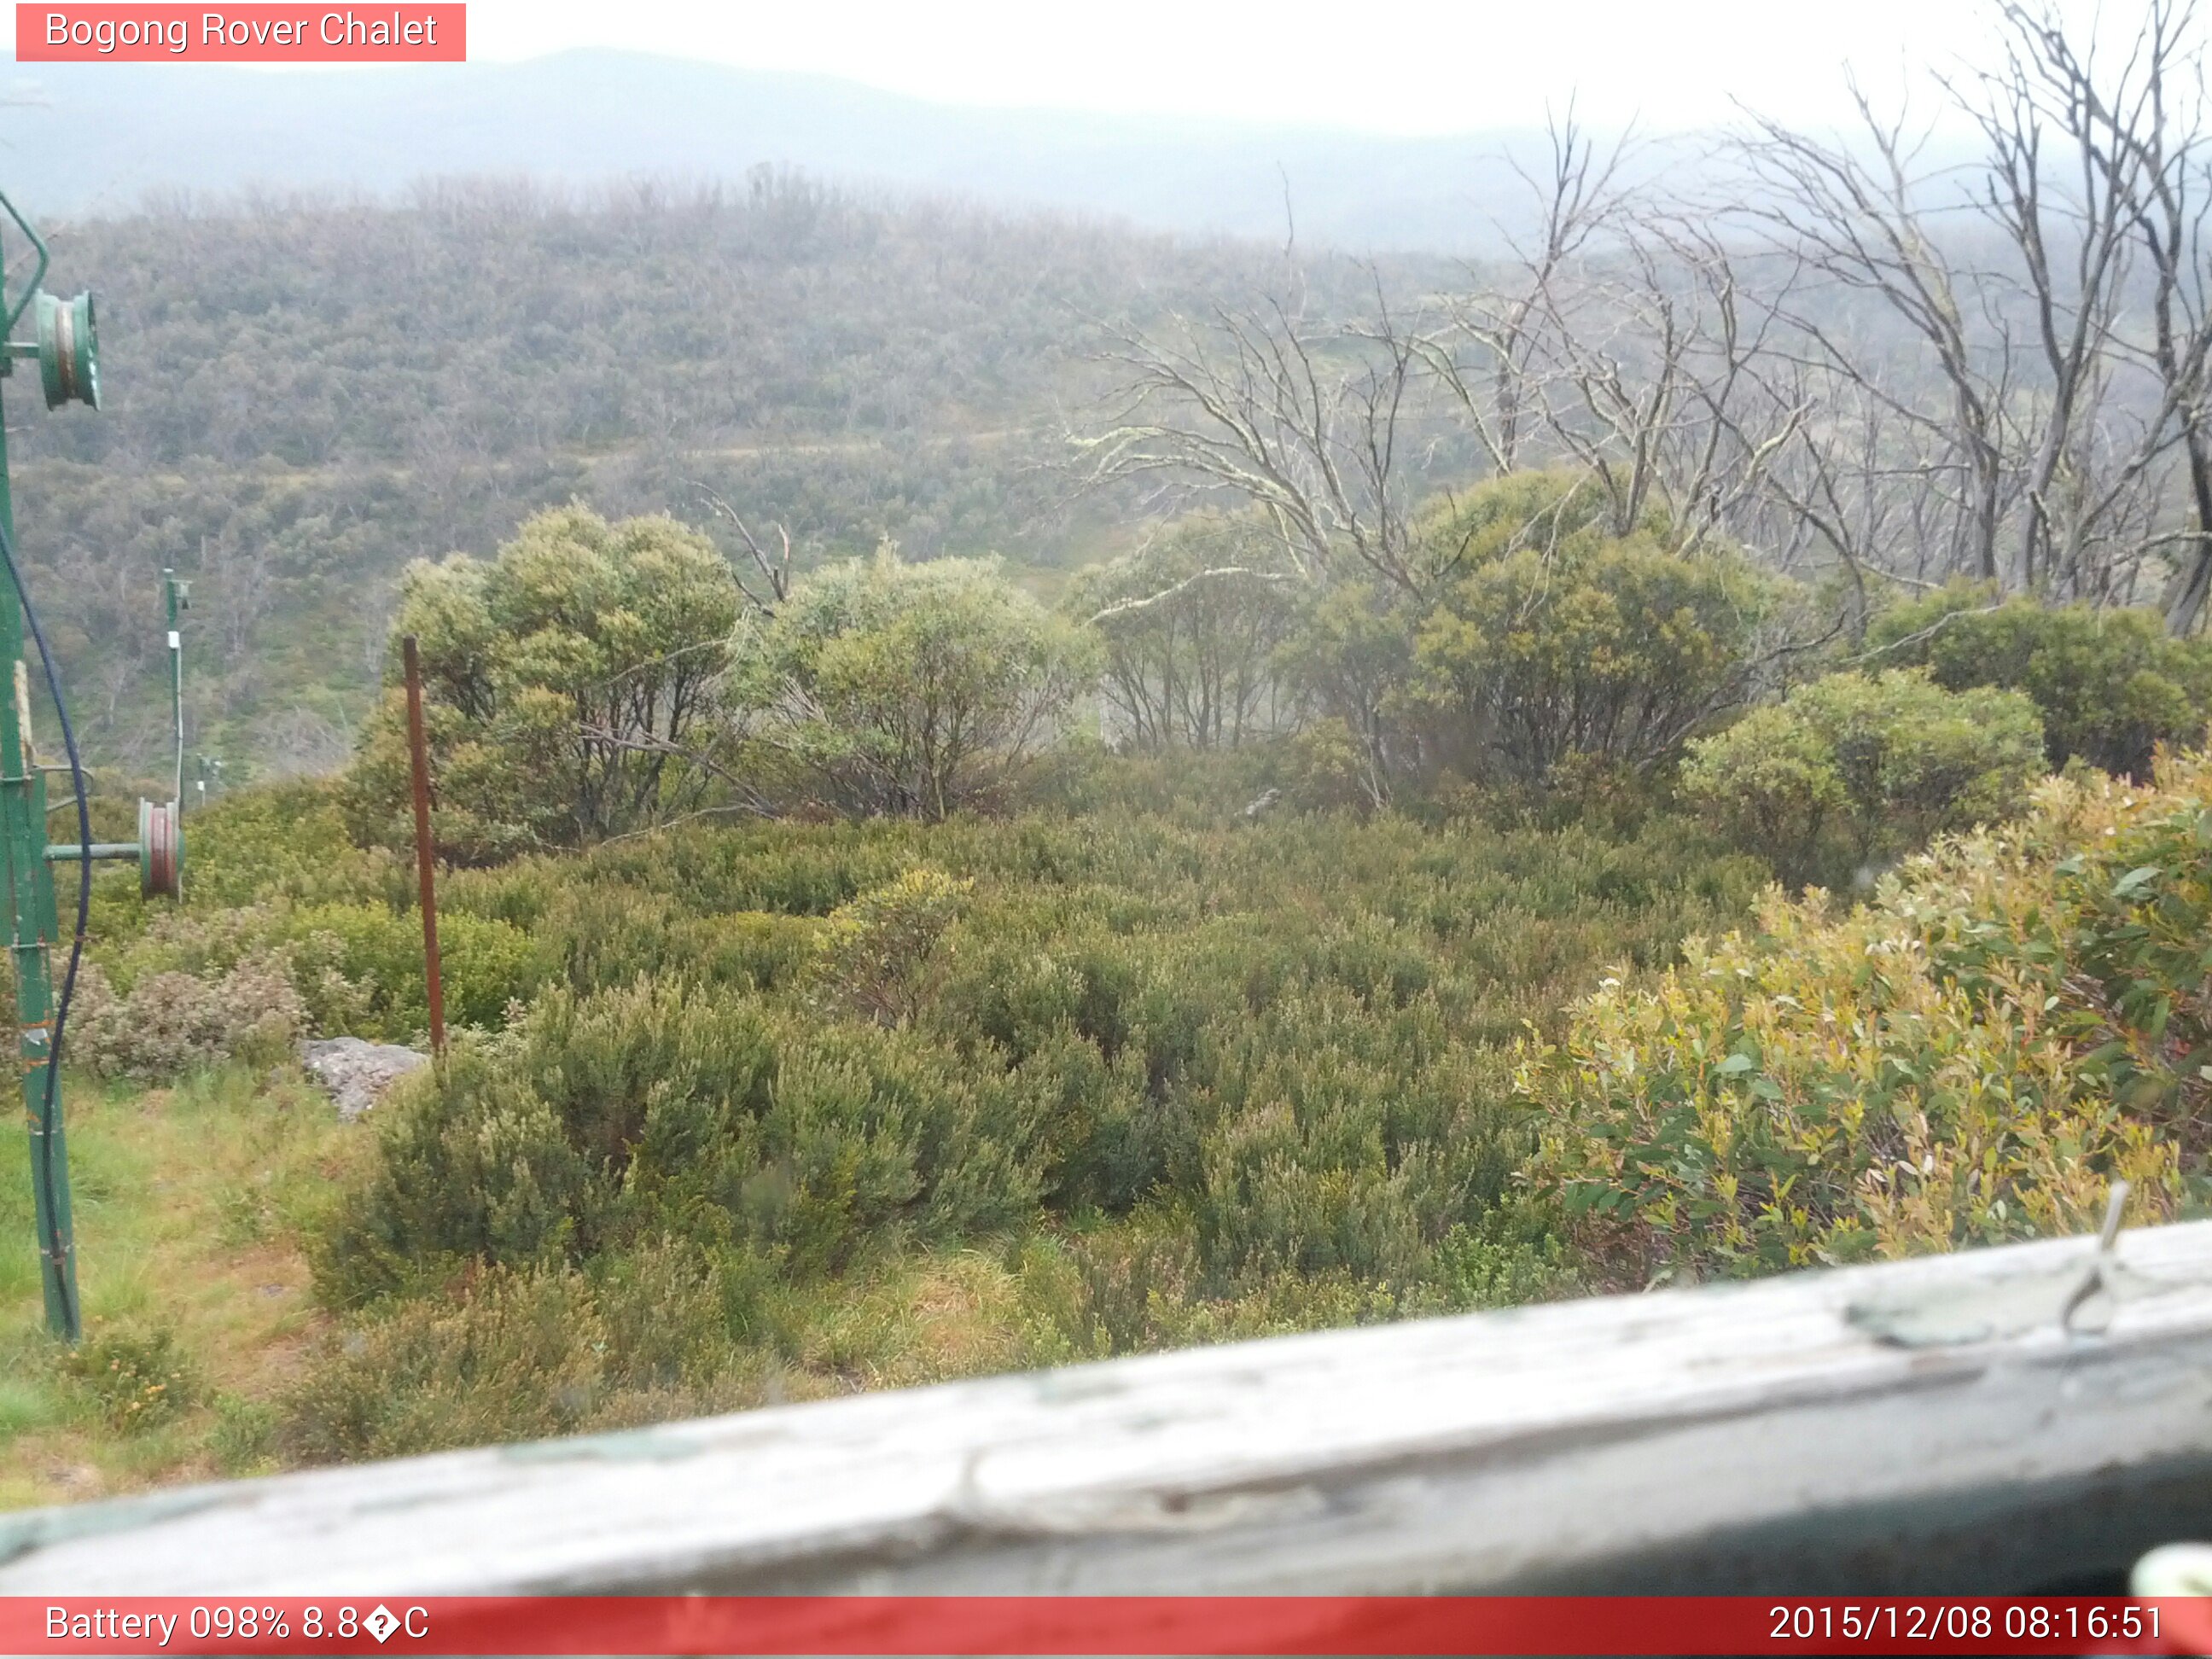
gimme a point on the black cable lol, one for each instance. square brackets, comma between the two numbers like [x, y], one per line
[49, 1110]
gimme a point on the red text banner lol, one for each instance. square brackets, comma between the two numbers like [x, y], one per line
[241, 34]
[1124, 1625]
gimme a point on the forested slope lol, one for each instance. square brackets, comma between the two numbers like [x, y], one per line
[302, 396]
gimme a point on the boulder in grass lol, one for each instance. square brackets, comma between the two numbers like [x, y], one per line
[357, 1074]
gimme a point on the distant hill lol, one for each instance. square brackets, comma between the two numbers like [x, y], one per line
[87, 137]
[301, 397]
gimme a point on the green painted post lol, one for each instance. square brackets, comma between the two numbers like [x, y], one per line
[174, 591]
[67, 348]
[31, 914]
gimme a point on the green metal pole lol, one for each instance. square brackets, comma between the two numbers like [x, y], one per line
[32, 928]
[173, 591]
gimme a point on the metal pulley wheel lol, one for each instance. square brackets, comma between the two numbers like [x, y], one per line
[68, 349]
[161, 851]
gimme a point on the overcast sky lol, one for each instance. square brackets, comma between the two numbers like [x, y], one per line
[1397, 66]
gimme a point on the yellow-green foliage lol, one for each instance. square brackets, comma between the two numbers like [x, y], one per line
[563, 680]
[353, 968]
[2017, 1019]
[873, 950]
[1556, 637]
[1135, 1077]
[285, 840]
[912, 689]
[2111, 683]
[287, 929]
[137, 1376]
[1857, 768]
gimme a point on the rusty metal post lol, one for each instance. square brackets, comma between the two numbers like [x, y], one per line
[424, 867]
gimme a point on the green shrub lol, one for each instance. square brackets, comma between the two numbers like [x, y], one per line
[1545, 646]
[753, 950]
[516, 1356]
[485, 965]
[1343, 1143]
[137, 1378]
[1851, 769]
[172, 1023]
[2013, 1024]
[598, 929]
[2111, 684]
[1512, 1256]
[288, 840]
[1113, 1139]
[351, 969]
[875, 949]
[1327, 768]
[567, 684]
[1195, 1077]
[1560, 639]
[1132, 1286]
[521, 1150]
[911, 689]
[661, 1108]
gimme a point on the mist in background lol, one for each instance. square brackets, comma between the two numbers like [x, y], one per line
[1395, 130]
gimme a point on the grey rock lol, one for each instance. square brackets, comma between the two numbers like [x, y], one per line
[357, 1074]
[1261, 803]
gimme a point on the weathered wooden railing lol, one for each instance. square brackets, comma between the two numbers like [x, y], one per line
[1943, 1424]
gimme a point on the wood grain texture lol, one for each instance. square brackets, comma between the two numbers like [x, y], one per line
[1916, 1425]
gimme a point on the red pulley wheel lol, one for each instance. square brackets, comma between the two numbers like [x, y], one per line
[161, 851]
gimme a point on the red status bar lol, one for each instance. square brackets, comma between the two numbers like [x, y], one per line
[1112, 1625]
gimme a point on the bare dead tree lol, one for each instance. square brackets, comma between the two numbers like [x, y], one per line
[1858, 358]
[2066, 219]
[1485, 357]
[1621, 336]
[1306, 421]
[1176, 590]
[775, 572]
[2070, 345]
[298, 741]
[1653, 384]
[2140, 133]
[1858, 224]
[1837, 484]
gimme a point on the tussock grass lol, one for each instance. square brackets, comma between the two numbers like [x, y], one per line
[192, 1203]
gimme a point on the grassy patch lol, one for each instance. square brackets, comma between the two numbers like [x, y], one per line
[192, 1203]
